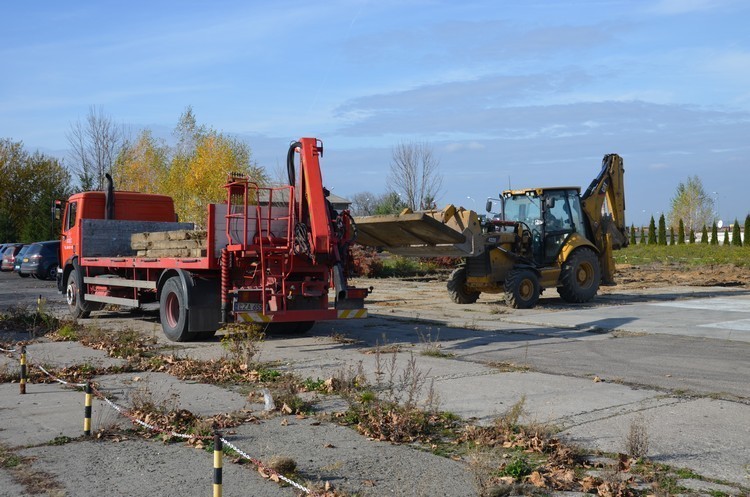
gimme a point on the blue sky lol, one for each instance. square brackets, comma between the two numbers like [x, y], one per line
[528, 92]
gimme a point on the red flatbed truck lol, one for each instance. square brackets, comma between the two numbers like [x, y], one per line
[271, 255]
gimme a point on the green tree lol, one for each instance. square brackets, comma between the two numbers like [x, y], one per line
[51, 181]
[652, 232]
[692, 236]
[632, 234]
[643, 235]
[747, 229]
[727, 239]
[714, 234]
[662, 230]
[671, 235]
[12, 158]
[736, 237]
[681, 233]
[704, 235]
[29, 184]
[389, 203]
[692, 204]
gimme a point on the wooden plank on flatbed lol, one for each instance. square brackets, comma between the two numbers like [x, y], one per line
[111, 237]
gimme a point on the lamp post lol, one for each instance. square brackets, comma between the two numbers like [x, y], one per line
[473, 201]
[718, 209]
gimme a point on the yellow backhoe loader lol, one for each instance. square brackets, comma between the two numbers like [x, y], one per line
[530, 240]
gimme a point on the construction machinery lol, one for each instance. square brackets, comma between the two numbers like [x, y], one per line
[531, 239]
[267, 255]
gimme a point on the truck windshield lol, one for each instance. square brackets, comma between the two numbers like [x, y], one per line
[524, 209]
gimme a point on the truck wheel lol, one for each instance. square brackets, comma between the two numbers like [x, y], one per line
[522, 289]
[173, 311]
[77, 308]
[580, 276]
[457, 287]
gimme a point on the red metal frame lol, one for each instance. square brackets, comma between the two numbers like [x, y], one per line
[259, 268]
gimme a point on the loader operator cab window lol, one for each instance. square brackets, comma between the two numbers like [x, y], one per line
[562, 217]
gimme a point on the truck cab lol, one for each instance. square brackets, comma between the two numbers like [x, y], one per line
[130, 206]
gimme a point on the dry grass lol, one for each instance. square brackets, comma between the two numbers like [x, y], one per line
[637, 438]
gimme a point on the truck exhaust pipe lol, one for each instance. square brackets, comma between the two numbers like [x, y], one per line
[109, 198]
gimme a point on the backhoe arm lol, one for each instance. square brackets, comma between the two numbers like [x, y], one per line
[609, 231]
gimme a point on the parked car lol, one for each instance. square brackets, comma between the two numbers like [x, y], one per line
[19, 258]
[9, 256]
[41, 260]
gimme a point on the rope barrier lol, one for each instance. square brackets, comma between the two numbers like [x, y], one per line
[90, 389]
[55, 378]
[268, 470]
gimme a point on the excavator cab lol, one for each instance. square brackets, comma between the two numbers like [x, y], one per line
[549, 215]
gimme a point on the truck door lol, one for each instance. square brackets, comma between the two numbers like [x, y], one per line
[70, 233]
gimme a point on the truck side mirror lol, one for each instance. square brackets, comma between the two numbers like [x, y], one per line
[488, 206]
[57, 210]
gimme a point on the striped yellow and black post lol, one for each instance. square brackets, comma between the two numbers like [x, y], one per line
[218, 449]
[87, 411]
[22, 384]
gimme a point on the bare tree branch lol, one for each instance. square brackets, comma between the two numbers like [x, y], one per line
[95, 145]
[414, 175]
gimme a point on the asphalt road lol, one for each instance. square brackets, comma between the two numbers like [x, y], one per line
[675, 356]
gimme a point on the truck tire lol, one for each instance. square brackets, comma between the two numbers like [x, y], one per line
[522, 288]
[457, 287]
[580, 276]
[173, 311]
[77, 307]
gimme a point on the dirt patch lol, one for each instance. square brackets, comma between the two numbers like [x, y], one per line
[659, 275]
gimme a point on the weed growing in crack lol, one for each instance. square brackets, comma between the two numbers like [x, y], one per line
[242, 342]
[431, 347]
[636, 440]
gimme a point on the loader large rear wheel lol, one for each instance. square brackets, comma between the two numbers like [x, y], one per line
[580, 277]
[522, 289]
[457, 288]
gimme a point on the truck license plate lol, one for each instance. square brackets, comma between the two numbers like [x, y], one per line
[248, 306]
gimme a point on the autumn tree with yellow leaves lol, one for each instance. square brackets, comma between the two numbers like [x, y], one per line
[193, 172]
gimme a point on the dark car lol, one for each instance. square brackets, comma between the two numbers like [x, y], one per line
[19, 258]
[9, 256]
[41, 260]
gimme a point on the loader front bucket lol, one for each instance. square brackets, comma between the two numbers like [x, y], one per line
[450, 232]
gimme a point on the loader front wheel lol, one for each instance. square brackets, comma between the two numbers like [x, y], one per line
[457, 288]
[522, 289]
[580, 277]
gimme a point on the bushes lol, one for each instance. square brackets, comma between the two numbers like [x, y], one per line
[366, 262]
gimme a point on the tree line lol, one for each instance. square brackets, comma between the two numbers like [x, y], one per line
[192, 171]
[654, 236]
[30, 183]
